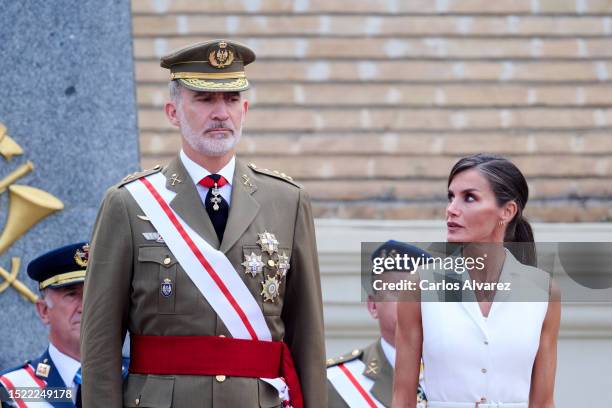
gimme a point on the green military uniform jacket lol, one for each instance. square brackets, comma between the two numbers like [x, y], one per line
[122, 292]
[377, 368]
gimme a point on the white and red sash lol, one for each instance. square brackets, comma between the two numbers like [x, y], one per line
[209, 269]
[17, 380]
[354, 387]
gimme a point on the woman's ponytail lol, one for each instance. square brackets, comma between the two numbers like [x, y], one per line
[520, 231]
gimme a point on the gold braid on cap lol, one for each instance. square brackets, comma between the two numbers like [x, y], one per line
[62, 278]
[199, 83]
[210, 75]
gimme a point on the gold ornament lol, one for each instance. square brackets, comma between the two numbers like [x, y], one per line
[372, 367]
[221, 56]
[270, 289]
[175, 180]
[27, 207]
[42, 370]
[81, 257]
[246, 181]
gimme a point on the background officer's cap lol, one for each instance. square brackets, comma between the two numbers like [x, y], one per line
[392, 248]
[61, 267]
[213, 66]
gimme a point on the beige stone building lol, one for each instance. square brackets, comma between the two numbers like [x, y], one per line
[370, 102]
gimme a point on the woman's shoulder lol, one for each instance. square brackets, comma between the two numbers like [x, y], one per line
[530, 283]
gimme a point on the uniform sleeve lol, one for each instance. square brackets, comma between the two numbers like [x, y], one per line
[105, 304]
[303, 310]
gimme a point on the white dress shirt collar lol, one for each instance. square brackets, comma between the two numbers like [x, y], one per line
[389, 351]
[197, 172]
[66, 365]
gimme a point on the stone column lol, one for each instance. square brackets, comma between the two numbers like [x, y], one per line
[67, 100]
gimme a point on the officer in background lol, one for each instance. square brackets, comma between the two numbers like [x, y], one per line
[209, 262]
[364, 377]
[60, 274]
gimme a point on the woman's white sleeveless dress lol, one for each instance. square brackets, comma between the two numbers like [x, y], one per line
[469, 358]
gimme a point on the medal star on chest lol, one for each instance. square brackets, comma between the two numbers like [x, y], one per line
[253, 264]
[270, 289]
[282, 264]
[268, 242]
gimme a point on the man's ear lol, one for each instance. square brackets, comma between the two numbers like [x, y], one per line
[171, 113]
[372, 307]
[42, 308]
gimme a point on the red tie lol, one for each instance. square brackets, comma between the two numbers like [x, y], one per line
[210, 180]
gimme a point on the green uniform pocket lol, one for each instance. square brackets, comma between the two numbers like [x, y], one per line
[162, 260]
[150, 391]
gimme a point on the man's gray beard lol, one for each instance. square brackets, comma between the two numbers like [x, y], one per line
[206, 145]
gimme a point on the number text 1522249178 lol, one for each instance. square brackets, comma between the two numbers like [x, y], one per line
[34, 394]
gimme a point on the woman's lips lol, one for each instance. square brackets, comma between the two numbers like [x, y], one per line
[453, 225]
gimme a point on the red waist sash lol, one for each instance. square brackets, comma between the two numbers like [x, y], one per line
[211, 355]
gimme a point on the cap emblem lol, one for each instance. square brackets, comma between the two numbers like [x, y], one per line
[81, 256]
[221, 56]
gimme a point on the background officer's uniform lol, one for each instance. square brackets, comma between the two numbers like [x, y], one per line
[379, 357]
[61, 267]
[377, 368]
[46, 371]
[135, 283]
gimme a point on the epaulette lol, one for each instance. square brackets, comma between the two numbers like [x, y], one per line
[344, 358]
[139, 174]
[19, 367]
[274, 173]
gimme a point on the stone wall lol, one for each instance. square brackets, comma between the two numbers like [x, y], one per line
[369, 103]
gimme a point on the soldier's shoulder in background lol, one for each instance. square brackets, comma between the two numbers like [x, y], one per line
[15, 368]
[334, 398]
[5, 399]
[344, 358]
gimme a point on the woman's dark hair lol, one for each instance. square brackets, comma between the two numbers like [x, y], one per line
[508, 184]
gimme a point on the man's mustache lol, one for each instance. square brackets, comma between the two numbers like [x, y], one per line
[219, 125]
